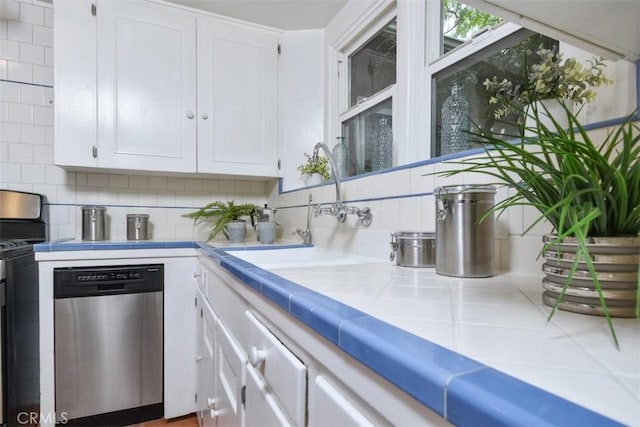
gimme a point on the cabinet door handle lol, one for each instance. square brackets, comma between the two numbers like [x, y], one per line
[256, 357]
[204, 116]
[190, 115]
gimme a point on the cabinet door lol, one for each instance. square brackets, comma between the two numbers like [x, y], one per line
[230, 372]
[261, 406]
[237, 99]
[208, 365]
[284, 376]
[75, 83]
[146, 87]
[180, 339]
[331, 408]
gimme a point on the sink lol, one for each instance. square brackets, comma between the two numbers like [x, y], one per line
[273, 259]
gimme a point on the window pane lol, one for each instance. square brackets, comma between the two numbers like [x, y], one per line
[369, 139]
[505, 59]
[373, 66]
[460, 22]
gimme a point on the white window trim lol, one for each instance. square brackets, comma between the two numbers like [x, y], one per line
[356, 35]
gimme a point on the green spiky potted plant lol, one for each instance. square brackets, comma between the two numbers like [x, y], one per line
[226, 218]
[589, 192]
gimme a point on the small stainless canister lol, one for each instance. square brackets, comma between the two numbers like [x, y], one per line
[137, 227]
[413, 249]
[94, 223]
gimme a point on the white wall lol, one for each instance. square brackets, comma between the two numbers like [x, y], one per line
[26, 146]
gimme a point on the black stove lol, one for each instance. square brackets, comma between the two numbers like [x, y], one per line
[22, 223]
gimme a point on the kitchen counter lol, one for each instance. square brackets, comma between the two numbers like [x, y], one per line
[476, 351]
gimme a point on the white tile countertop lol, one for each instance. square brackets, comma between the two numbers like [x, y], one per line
[498, 321]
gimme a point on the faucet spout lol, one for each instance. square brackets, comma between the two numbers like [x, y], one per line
[332, 163]
[337, 209]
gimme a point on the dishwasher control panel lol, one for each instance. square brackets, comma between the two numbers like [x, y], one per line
[106, 280]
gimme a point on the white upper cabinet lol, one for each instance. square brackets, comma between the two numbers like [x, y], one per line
[146, 87]
[606, 27]
[237, 99]
[143, 85]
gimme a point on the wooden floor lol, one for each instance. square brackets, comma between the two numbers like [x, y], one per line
[187, 421]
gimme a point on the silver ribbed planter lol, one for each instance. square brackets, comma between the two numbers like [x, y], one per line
[616, 262]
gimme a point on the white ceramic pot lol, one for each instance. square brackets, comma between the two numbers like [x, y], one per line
[313, 179]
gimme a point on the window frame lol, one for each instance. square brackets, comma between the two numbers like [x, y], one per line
[357, 37]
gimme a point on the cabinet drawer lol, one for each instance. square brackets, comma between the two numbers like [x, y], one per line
[281, 370]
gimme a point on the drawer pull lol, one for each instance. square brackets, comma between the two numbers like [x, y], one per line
[256, 357]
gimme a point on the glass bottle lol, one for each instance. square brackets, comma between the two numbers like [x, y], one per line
[456, 121]
[340, 155]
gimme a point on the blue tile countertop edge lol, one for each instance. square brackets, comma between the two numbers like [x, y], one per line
[462, 390]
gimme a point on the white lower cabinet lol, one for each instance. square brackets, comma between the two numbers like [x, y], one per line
[277, 389]
[331, 408]
[271, 370]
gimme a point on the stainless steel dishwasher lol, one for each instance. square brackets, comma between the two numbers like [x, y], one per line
[109, 344]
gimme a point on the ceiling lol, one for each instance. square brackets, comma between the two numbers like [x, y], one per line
[283, 14]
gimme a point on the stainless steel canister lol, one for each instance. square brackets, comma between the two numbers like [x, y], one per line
[413, 249]
[138, 227]
[94, 223]
[466, 245]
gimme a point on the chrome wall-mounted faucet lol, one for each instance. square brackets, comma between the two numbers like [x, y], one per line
[306, 234]
[338, 209]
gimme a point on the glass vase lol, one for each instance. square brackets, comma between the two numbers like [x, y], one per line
[382, 157]
[456, 122]
[340, 155]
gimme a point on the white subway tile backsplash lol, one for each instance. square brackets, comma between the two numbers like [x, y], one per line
[30, 94]
[118, 181]
[9, 92]
[4, 66]
[48, 56]
[139, 182]
[31, 53]
[81, 179]
[20, 153]
[20, 31]
[42, 36]
[3, 25]
[33, 134]
[128, 196]
[66, 193]
[34, 174]
[48, 17]
[157, 183]
[43, 115]
[49, 190]
[10, 9]
[43, 154]
[10, 49]
[20, 113]
[31, 14]
[55, 175]
[210, 186]
[43, 75]
[175, 184]
[48, 135]
[97, 180]
[4, 152]
[19, 72]
[9, 132]
[4, 111]
[194, 185]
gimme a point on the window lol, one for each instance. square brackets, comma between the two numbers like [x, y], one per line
[460, 23]
[460, 100]
[366, 113]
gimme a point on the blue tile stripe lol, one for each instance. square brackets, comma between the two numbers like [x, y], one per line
[72, 245]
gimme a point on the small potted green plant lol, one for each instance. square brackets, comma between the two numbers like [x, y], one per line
[545, 81]
[315, 171]
[226, 217]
